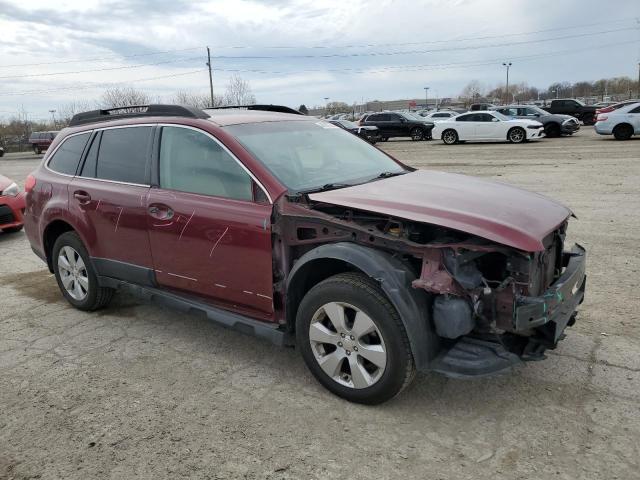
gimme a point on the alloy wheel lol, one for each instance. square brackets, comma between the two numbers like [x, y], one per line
[449, 137]
[73, 273]
[516, 135]
[347, 345]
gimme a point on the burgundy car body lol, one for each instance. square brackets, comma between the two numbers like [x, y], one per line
[415, 233]
[11, 206]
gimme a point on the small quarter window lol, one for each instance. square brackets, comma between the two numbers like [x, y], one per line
[67, 156]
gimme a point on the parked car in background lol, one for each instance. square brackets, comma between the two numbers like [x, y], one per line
[40, 141]
[554, 124]
[481, 106]
[487, 126]
[615, 106]
[622, 123]
[603, 104]
[273, 224]
[12, 205]
[395, 124]
[369, 133]
[1, 151]
[569, 106]
[438, 116]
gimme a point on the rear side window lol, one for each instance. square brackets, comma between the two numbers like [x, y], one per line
[191, 161]
[635, 110]
[465, 118]
[67, 156]
[123, 154]
[91, 160]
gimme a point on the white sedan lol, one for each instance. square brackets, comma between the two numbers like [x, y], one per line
[487, 126]
[440, 116]
[622, 123]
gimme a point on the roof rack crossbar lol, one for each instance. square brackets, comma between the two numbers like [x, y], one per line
[133, 111]
[264, 108]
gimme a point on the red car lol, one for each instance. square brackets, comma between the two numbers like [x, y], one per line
[41, 141]
[281, 225]
[615, 106]
[12, 205]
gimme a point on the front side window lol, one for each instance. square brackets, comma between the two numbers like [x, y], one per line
[67, 156]
[466, 118]
[123, 154]
[306, 155]
[193, 162]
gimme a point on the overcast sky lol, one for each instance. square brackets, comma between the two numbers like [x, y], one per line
[301, 51]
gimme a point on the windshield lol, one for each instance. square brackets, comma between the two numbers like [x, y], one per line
[537, 110]
[306, 155]
[348, 124]
[501, 116]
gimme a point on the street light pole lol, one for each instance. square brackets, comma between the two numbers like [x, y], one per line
[426, 98]
[326, 105]
[210, 76]
[508, 65]
[53, 117]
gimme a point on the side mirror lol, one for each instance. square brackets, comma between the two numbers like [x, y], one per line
[402, 119]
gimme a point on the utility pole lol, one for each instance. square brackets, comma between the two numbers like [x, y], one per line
[638, 80]
[508, 65]
[210, 77]
[426, 98]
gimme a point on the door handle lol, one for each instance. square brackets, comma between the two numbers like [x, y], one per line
[82, 196]
[161, 212]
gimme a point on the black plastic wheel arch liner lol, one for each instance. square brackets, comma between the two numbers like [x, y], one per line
[395, 278]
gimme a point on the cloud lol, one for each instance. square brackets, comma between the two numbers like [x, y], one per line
[39, 32]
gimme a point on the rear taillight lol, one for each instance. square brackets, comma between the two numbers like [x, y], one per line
[29, 183]
[601, 118]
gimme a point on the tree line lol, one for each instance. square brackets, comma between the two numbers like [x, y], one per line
[617, 87]
[15, 133]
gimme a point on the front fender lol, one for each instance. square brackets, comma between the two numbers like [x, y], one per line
[394, 277]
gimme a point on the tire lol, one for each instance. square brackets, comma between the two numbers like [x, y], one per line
[417, 134]
[87, 295]
[623, 131]
[588, 119]
[384, 139]
[552, 130]
[516, 135]
[450, 137]
[12, 229]
[317, 337]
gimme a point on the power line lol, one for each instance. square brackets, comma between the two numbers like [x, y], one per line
[105, 69]
[415, 52]
[100, 85]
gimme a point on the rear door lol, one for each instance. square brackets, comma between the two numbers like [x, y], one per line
[209, 224]
[634, 119]
[109, 198]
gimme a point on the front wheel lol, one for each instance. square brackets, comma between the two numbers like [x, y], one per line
[75, 274]
[353, 341]
[516, 135]
[417, 134]
[450, 137]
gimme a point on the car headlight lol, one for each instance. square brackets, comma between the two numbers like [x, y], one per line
[12, 190]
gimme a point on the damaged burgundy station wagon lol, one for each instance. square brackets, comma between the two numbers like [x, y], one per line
[287, 227]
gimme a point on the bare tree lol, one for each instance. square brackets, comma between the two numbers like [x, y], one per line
[68, 110]
[239, 92]
[116, 97]
[197, 100]
[473, 90]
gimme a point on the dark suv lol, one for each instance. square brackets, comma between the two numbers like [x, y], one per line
[555, 125]
[40, 141]
[398, 124]
[284, 226]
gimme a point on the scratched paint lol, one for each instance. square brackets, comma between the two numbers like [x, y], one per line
[186, 224]
[218, 241]
[118, 220]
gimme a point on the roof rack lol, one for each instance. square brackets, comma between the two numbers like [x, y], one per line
[133, 111]
[264, 108]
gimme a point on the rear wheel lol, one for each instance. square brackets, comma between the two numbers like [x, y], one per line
[623, 132]
[75, 275]
[353, 341]
[552, 130]
[417, 134]
[449, 137]
[516, 135]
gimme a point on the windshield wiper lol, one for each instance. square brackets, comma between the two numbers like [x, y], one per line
[325, 187]
[391, 174]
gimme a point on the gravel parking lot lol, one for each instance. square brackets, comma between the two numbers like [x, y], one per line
[138, 391]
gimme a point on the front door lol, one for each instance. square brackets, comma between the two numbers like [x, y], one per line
[110, 195]
[210, 233]
[486, 126]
